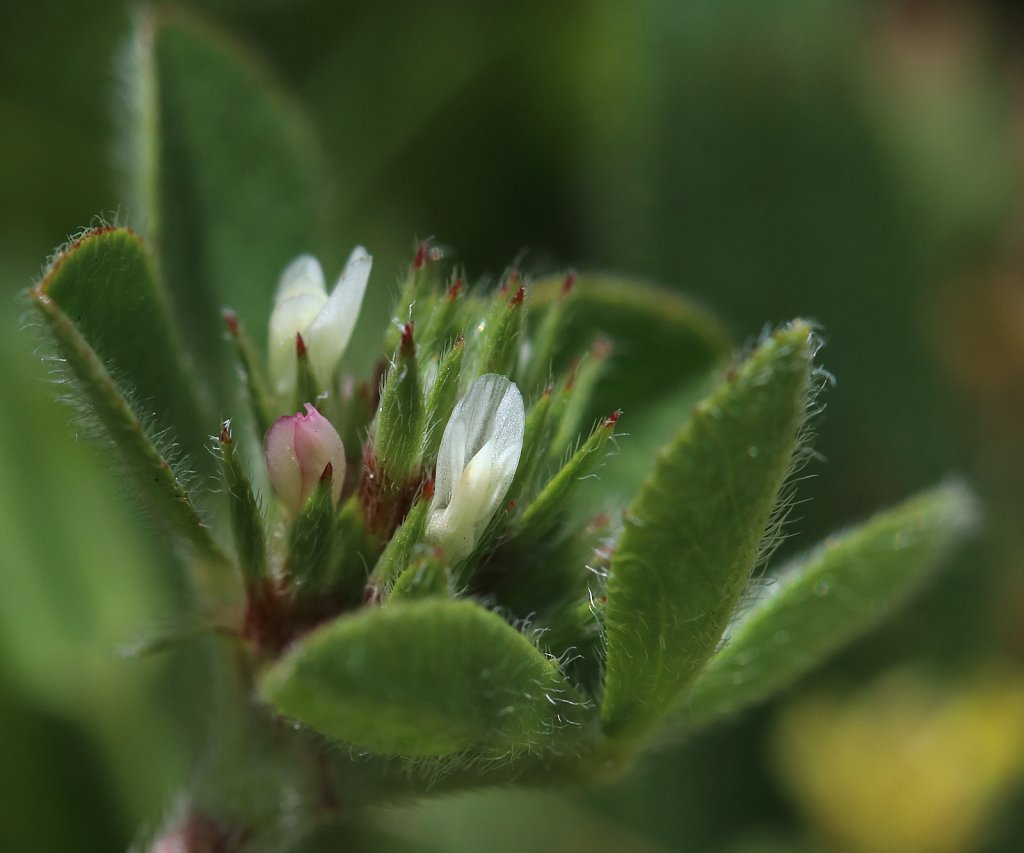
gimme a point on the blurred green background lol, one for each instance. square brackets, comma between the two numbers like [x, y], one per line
[858, 163]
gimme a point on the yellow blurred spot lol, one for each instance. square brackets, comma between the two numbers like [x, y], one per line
[907, 765]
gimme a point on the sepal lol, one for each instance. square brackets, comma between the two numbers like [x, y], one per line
[244, 510]
[425, 577]
[398, 430]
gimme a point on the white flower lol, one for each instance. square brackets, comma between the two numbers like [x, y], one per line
[302, 307]
[476, 463]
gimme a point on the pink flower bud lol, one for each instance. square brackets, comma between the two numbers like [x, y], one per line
[299, 448]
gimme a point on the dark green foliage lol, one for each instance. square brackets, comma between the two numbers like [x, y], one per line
[650, 329]
[225, 211]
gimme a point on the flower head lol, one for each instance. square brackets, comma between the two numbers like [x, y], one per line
[302, 307]
[298, 449]
[476, 463]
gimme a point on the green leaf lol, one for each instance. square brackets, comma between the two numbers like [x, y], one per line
[661, 340]
[825, 599]
[228, 173]
[105, 284]
[423, 678]
[109, 397]
[694, 532]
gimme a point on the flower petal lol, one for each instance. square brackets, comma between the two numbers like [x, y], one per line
[329, 332]
[302, 277]
[317, 443]
[298, 448]
[301, 296]
[486, 428]
[283, 463]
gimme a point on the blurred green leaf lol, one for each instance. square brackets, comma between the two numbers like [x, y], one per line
[77, 585]
[105, 281]
[694, 532]
[424, 678]
[49, 759]
[661, 341]
[515, 820]
[229, 175]
[842, 588]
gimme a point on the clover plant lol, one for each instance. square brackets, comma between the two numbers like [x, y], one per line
[396, 563]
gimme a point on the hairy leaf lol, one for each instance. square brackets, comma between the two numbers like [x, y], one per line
[106, 285]
[694, 532]
[423, 678]
[125, 325]
[839, 590]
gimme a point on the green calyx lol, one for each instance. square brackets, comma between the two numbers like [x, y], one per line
[398, 431]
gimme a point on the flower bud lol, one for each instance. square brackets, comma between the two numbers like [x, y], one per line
[476, 463]
[298, 449]
[302, 307]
